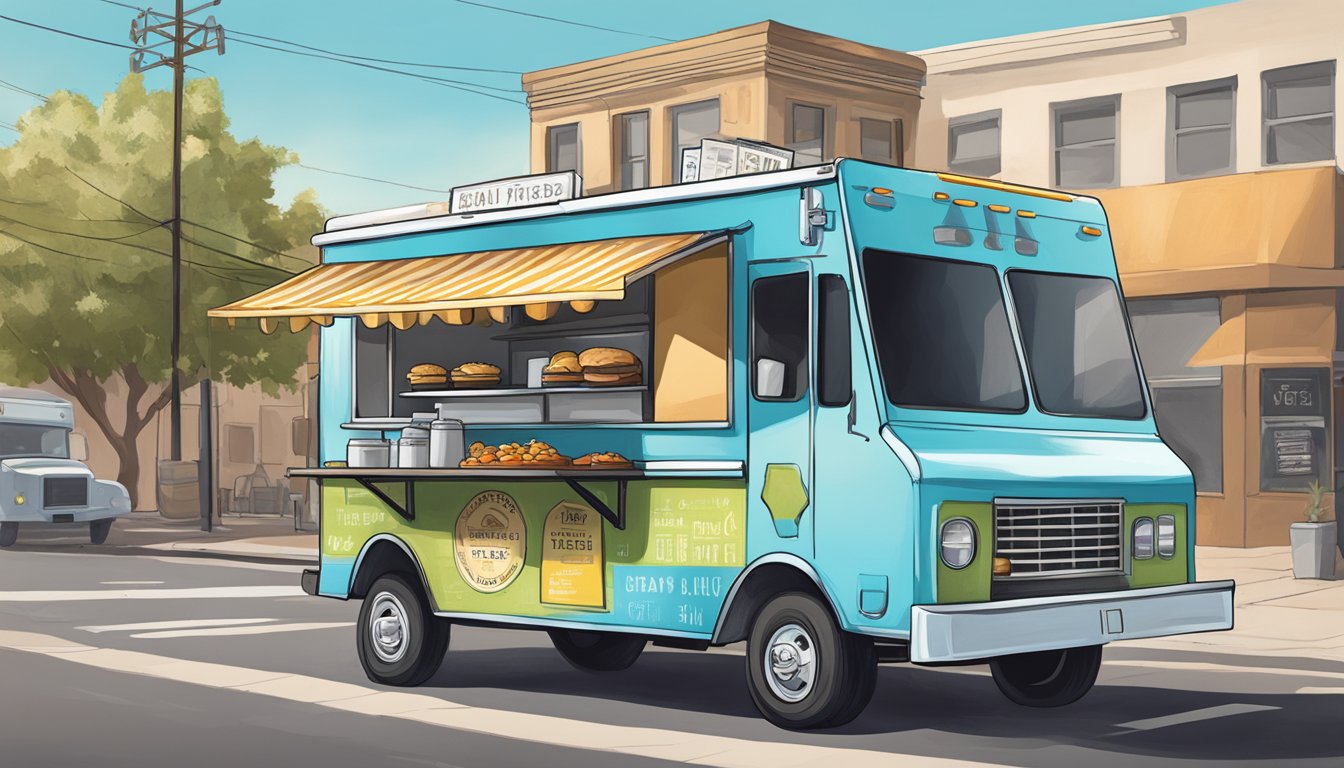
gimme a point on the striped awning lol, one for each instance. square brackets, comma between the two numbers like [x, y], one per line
[407, 291]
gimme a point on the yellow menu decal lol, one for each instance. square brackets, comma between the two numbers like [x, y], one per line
[571, 557]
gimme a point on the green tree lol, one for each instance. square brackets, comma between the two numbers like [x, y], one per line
[85, 271]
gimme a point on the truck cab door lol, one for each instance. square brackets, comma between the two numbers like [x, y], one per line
[779, 414]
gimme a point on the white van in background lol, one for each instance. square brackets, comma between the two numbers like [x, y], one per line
[39, 482]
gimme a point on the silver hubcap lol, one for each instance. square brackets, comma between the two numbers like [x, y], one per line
[791, 663]
[388, 628]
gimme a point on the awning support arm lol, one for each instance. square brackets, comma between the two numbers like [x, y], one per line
[617, 518]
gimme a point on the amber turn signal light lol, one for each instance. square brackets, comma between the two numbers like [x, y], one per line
[1003, 566]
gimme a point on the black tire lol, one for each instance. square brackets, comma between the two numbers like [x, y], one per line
[597, 651]
[797, 630]
[9, 533]
[99, 529]
[1047, 678]
[416, 639]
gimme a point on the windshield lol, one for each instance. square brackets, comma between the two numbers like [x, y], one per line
[1077, 345]
[27, 440]
[941, 333]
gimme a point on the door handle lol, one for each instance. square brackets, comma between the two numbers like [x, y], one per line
[854, 417]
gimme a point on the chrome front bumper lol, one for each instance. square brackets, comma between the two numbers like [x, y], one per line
[973, 631]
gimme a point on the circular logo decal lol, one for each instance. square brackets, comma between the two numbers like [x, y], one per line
[490, 541]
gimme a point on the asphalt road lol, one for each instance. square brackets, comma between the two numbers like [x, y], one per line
[112, 660]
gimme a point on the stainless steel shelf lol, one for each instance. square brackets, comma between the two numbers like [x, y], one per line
[440, 394]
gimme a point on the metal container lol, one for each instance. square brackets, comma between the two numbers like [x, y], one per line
[447, 444]
[413, 448]
[367, 452]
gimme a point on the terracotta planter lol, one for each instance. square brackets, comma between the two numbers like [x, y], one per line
[1313, 550]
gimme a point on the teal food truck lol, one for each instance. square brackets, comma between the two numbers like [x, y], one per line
[849, 414]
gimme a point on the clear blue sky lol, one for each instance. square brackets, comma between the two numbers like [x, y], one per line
[370, 123]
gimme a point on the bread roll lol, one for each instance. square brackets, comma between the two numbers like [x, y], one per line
[606, 357]
[563, 362]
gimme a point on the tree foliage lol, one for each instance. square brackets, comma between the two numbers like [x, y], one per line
[85, 264]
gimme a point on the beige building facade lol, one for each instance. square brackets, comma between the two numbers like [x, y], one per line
[1212, 138]
[622, 121]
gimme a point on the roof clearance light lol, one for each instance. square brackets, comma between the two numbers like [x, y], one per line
[971, 181]
[965, 203]
[941, 196]
[999, 208]
[1026, 214]
[1091, 231]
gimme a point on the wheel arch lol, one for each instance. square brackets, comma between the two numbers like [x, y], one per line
[382, 554]
[764, 578]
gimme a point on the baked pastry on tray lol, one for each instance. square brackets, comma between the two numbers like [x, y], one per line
[475, 375]
[610, 367]
[563, 370]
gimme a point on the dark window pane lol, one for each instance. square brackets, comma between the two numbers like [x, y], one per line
[372, 394]
[1296, 96]
[1203, 151]
[1302, 141]
[1086, 124]
[1204, 108]
[562, 148]
[632, 150]
[690, 124]
[834, 385]
[779, 319]
[941, 333]
[1077, 344]
[875, 139]
[1081, 167]
[809, 134]
[973, 146]
[1190, 420]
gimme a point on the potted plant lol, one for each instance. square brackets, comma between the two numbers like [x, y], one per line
[1314, 540]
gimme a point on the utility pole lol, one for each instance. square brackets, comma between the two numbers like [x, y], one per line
[187, 38]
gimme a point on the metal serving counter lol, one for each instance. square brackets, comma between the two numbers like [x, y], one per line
[373, 477]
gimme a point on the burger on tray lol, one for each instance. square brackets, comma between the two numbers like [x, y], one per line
[563, 370]
[469, 375]
[610, 367]
[427, 376]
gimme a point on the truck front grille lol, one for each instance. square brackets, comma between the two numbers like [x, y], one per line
[1056, 538]
[65, 492]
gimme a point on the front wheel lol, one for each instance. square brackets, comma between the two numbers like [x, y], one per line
[400, 642]
[1047, 678]
[9, 533]
[803, 671]
[597, 651]
[98, 530]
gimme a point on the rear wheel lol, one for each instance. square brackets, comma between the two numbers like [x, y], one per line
[400, 642]
[9, 533]
[98, 530]
[1047, 678]
[803, 671]
[597, 651]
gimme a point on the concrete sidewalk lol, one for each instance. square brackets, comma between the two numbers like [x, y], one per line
[240, 537]
[1276, 614]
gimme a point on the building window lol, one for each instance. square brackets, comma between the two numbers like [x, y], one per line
[1086, 150]
[1299, 113]
[1201, 129]
[881, 140]
[690, 124]
[562, 148]
[1187, 396]
[807, 134]
[239, 444]
[973, 144]
[632, 149]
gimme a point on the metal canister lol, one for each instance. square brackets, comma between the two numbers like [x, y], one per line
[413, 448]
[447, 444]
[367, 452]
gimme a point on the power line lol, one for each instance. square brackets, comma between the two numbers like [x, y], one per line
[370, 178]
[75, 234]
[10, 127]
[20, 89]
[565, 21]
[25, 241]
[244, 241]
[234, 32]
[426, 78]
[66, 33]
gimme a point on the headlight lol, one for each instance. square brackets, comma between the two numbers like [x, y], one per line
[1143, 538]
[957, 543]
[1166, 537]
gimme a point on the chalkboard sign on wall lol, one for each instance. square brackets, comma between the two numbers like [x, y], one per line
[1294, 392]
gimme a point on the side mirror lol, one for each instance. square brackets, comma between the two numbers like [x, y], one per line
[79, 447]
[769, 378]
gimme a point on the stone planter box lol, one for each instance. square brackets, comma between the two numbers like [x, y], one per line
[1313, 550]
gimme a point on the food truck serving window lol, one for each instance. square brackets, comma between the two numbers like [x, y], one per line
[942, 334]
